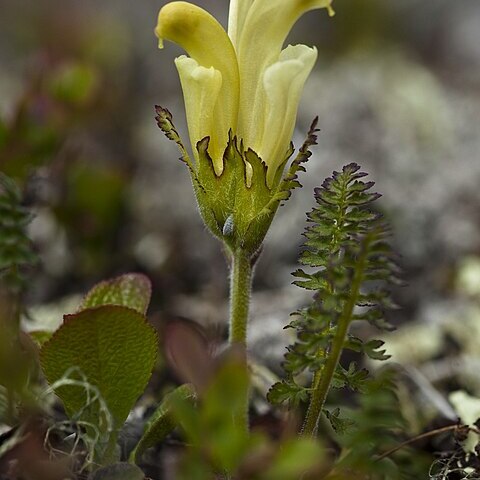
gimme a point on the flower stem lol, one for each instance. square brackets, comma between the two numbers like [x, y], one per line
[240, 287]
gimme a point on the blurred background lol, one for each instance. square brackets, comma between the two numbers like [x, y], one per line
[397, 90]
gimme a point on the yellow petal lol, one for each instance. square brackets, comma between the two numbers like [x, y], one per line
[201, 87]
[205, 41]
[283, 84]
[258, 44]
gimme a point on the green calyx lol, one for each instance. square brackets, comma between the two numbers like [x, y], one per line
[238, 206]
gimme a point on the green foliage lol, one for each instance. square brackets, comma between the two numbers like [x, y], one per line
[162, 422]
[16, 252]
[112, 348]
[351, 265]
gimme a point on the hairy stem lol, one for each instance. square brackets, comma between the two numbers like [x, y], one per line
[240, 287]
[323, 377]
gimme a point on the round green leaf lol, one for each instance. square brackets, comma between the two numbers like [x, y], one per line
[113, 347]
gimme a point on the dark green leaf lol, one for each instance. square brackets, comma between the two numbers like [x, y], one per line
[114, 349]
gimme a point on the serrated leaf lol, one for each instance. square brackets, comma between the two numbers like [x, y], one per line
[162, 422]
[315, 281]
[114, 348]
[282, 392]
[118, 471]
[359, 215]
[357, 186]
[350, 378]
[340, 424]
[132, 290]
[371, 348]
[295, 362]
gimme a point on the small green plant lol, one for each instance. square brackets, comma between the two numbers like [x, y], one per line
[346, 246]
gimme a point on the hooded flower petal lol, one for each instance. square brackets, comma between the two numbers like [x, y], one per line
[201, 87]
[205, 41]
[283, 84]
[258, 44]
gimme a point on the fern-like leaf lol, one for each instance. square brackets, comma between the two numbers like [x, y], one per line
[348, 263]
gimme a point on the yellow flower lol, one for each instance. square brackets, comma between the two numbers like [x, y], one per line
[242, 82]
